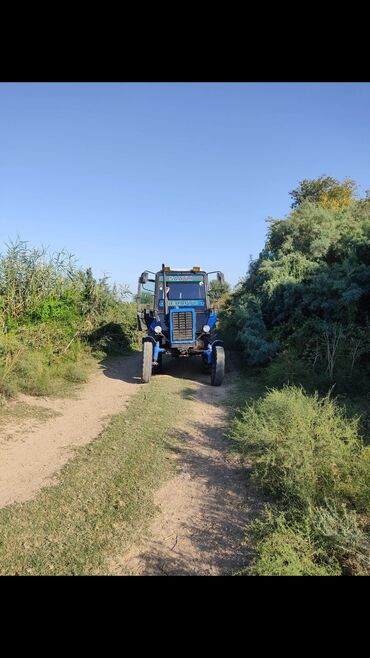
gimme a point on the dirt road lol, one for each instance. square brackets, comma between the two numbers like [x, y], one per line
[202, 510]
[36, 452]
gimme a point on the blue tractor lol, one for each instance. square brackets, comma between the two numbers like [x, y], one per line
[180, 321]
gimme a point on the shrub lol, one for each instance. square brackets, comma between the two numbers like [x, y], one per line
[39, 365]
[305, 450]
[288, 369]
[327, 540]
[245, 329]
[309, 455]
[309, 289]
[337, 530]
[286, 550]
[51, 316]
[116, 332]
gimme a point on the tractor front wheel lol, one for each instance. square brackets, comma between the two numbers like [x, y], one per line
[218, 365]
[147, 362]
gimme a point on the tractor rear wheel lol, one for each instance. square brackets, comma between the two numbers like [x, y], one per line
[147, 361]
[218, 365]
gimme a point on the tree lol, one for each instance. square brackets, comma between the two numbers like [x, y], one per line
[324, 191]
[146, 298]
[218, 291]
[310, 285]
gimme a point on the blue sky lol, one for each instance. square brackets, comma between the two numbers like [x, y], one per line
[127, 176]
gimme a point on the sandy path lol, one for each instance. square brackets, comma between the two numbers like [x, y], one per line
[200, 527]
[202, 510]
[37, 452]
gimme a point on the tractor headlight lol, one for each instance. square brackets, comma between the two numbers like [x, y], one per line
[206, 328]
[158, 329]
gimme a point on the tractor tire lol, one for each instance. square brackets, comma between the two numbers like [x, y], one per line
[218, 365]
[147, 362]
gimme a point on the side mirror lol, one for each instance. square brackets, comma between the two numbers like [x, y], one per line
[144, 278]
[220, 277]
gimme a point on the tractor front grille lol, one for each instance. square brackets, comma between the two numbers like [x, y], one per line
[182, 325]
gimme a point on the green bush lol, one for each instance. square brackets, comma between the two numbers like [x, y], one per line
[284, 549]
[310, 457]
[242, 327]
[62, 310]
[52, 316]
[309, 290]
[116, 332]
[337, 531]
[288, 369]
[305, 450]
[302, 312]
[44, 369]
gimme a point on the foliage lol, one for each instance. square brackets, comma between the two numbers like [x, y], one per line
[309, 455]
[146, 299]
[52, 315]
[325, 191]
[305, 449]
[242, 326]
[338, 531]
[303, 311]
[287, 549]
[309, 290]
[218, 292]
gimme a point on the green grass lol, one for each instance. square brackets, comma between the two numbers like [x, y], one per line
[310, 456]
[104, 499]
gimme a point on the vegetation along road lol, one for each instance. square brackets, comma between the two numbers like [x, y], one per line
[268, 474]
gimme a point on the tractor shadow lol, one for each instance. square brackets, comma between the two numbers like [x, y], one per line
[126, 368]
[185, 368]
[192, 368]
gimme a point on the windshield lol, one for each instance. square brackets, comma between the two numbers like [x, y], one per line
[180, 288]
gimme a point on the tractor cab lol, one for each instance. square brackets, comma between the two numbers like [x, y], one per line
[179, 320]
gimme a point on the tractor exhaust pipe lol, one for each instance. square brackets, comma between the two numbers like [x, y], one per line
[165, 291]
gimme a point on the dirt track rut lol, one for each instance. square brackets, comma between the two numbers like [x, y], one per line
[202, 511]
[37, 452]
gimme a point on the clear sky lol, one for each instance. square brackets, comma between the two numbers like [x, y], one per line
[127, 176]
